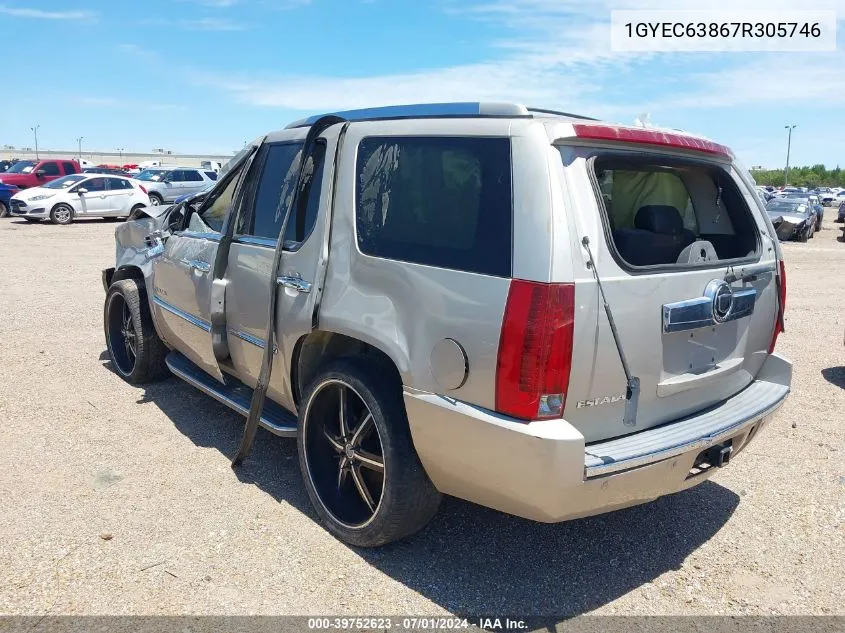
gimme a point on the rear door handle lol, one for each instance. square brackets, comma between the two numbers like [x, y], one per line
[295, 283]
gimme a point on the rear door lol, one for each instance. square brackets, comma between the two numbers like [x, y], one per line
[118, 196]
[252, 252]
[93, 201]
[688, 268]
[192, 181]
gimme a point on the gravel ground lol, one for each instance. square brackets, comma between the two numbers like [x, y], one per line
[121, 500]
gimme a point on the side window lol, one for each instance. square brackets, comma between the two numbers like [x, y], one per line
[216, 207]
[116, 184]
[191, 176]
[50, 169]
[303, 219]
[274, 192]
[174, 176]
[94, 185]
[69, 168]
[211, 174]
[438, 201]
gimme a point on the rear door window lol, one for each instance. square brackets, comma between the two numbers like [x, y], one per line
[671, 212]
[437, 201]
[69, 168]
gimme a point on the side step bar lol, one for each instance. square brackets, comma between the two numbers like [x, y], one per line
[236, 395]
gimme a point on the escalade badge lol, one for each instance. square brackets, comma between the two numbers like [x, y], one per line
[596, 402]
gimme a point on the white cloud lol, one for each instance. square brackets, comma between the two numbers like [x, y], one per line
[39, 14]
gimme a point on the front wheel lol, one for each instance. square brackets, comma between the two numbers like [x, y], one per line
[4, 210]
[61, 214]
[357, 458]
[136, 351]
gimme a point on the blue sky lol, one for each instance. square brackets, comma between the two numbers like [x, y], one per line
[207, 75]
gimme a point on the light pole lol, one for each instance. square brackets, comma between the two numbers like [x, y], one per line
[79, 143]
[788, 147]
[120, 151]
[35, 131]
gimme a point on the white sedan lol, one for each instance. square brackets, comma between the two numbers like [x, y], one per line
[80, 196]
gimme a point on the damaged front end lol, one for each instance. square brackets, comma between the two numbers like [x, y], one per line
[138, 241]
[788, 227]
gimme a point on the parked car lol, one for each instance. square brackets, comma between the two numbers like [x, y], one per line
[165, 184]
[35, 173]
[6, 193]
[4, 165]
[841, 215]
[80, 195]
[420, 300]
[792, 219]
[815, 206]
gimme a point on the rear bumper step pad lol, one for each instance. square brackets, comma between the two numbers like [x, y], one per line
[698, 431]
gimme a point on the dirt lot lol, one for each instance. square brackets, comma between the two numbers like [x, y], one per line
[120, 500]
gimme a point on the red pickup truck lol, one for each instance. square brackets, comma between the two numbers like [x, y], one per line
[34, 173]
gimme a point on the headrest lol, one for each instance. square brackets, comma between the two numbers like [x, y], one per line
[659, 218]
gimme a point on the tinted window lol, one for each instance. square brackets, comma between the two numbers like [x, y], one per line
[211, 174]
[274, 191]
[94, 184]
[437, 201]
[50, 169]
[175, 176]
[216, 207]
[69, 168]
[191, 176]
[118, 183]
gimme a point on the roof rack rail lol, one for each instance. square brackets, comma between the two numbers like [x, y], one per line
[426, 110]
[558, 113]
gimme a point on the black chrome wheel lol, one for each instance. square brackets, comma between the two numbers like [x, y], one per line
[344, 453]
[122, 336]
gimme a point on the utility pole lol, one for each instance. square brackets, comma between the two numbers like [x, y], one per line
[79, 143]
[35, 131]
[788, 147]
[120, 150]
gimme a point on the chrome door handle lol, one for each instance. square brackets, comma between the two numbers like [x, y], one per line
[295, 283]
[197, 264]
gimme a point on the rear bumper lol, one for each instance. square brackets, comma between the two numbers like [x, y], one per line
[544, 471]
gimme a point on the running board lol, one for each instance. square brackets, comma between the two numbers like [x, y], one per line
[235, 395]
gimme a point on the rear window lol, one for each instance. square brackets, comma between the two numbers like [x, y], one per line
[438, 201]
[673, 212]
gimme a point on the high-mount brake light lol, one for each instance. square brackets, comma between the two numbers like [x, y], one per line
[535, 350]
[649, 137]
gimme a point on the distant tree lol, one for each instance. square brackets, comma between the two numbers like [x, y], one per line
[814, 176]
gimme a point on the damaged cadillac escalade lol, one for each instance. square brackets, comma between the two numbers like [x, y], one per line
[532, 310]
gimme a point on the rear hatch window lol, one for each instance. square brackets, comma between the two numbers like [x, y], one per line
[666, 212]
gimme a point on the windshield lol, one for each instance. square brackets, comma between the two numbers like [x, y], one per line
[782, 206]
[151, 175]
[22, 167]
[64, 183]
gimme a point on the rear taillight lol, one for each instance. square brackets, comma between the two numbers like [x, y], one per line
[141, 187]
[781, 305]
[535, 350]
[649, 137]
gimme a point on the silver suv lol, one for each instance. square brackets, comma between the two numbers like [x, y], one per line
[166, 184]
[537, 312]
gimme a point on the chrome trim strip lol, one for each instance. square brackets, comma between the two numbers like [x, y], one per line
[673, 451]
[255, 241]
[692, 314]
[190, 318]
[214, 237]
[249, 338]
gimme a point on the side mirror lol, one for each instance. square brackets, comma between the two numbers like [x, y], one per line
[40, 173]
[81, 190]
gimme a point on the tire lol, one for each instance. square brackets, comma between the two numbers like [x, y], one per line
[4, 210]
[156, 199]
[138, 358]
[61, 214]
[407, 500]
